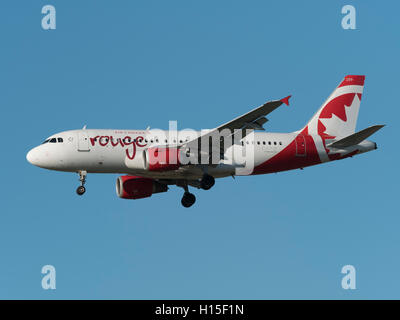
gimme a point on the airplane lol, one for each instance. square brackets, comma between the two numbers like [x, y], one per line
[152, 160]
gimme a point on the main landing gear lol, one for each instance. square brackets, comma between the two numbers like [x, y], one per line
[82, 178]
[207, 182]
[188, 198]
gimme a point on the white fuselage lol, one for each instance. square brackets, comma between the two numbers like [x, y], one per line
[106, 151]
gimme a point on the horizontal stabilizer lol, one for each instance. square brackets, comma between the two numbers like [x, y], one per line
[355, 138]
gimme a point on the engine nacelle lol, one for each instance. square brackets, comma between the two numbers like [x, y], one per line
[132, 187]
[161, 159]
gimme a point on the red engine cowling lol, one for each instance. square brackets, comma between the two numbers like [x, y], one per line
[162, 159]
[132, 187]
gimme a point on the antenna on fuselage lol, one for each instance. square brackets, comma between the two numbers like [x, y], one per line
[84, 127]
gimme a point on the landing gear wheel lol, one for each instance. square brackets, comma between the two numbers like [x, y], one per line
[82, 178]
[207, 182]
[188, 199]
[80, 190]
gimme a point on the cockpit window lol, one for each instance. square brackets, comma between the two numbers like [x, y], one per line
[54, 140]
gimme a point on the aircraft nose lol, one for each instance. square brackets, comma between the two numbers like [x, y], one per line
[33, 157]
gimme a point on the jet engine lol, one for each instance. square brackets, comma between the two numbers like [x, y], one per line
[132, 187]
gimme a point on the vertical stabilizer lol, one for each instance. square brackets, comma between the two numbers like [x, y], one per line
[337, 117]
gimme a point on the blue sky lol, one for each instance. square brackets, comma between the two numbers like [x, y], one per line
[133, 64]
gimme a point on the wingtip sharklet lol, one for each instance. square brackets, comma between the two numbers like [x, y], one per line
[286, 100]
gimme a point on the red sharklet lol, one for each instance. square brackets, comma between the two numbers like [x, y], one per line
[286, 100]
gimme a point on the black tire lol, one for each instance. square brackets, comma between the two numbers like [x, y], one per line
[207, 182]
[188, 199]
[80, 190]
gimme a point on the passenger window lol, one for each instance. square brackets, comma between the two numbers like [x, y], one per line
[60, 140]
[264, 142]
[269, 142]
[280, 143]
[258, 142]
[274, 142]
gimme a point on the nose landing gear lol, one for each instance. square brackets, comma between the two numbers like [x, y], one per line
[82, 178]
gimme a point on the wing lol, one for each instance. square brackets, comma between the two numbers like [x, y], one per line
[253, 120]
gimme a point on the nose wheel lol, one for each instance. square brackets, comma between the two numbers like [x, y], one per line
[82, 178]
[80, 190]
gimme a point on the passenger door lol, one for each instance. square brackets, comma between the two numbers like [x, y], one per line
[83, 141]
